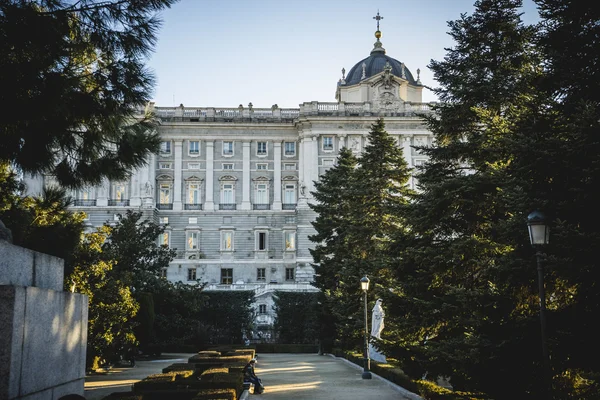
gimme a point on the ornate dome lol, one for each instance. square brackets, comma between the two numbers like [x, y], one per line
[373, 65]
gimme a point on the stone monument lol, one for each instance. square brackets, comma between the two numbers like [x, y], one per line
[43, 329]
[376, 328]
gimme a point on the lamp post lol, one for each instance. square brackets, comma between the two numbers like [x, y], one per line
[539, 235]
[364, 285]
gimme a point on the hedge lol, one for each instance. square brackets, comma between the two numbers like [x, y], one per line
[427, 389]
[286, 348]
[214, 394]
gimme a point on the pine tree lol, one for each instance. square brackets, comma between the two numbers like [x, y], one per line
[73, 77]
[464, 295]
[361, 203]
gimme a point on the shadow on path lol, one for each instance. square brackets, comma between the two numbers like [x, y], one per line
[314, 377]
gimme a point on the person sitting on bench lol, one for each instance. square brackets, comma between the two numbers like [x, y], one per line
[250, 376]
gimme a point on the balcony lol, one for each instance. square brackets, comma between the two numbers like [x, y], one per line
[228, 206]
[261, 206]
[120, 203]
[84, 203]
[188, 206]
[288, 206]
[164, 206]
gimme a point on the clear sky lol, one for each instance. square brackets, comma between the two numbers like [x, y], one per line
[222, 53]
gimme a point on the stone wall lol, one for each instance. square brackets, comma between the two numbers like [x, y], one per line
[43, 330]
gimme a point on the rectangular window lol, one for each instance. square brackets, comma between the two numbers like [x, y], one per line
[289, 167]
[228, 166]
[165, 147]
[193, 193]
[227, 194]
[261, 148]
[419, 162]
[194, 148]
[261, 241]
[261, 195]
[192, 220]
[290, 241]
[165, 194]
[328, 143]
[261, 274]
[289, 194]
[290, 148]
[290, 219]
[191, 274]
[163, 239]
[192, 240]
[226, 240]
[262, 308]
[328, 162]
[194, 166]
[119, 192]
[226, 276]
[289, 274]
[227, 148]
[164, 220]
[85, 194]
[262, 166]
[165, 165]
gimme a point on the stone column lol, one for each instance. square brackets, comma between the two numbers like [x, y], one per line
[246, 176]
[103, 192]
[135, 199]
[277, 176]
[209, 204]
[407, 153]
[177, 177]
[312, 164]
[302, 175]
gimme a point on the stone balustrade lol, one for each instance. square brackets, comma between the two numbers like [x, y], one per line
[285, 115]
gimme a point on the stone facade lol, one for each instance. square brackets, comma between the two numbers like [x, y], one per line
[232, 185]
[43, 330]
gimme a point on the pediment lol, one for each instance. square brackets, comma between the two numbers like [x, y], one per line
[228, 178]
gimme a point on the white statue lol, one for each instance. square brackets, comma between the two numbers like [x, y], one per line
[376, 328]
[377, 320]
[148, 189]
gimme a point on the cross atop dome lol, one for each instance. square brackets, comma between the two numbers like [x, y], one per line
[378, 18]
[378, 47]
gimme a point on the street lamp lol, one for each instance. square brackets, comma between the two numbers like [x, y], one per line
[539, 235]
[364, 285]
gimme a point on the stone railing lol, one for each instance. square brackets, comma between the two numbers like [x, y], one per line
[262, 288]
[285, 115]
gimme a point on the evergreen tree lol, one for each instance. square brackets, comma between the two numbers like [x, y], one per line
[360, 215]
[467, 290]
[73, 75]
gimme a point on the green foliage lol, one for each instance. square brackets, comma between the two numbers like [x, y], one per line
[297, 317]
[73, 74]
[113, 266]
[43, 223]
[227, 315]
[360, 206]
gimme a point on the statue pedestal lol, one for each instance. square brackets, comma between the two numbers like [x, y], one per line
[375, 355]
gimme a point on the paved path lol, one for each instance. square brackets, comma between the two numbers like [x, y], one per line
[98, 386]
[314, 377]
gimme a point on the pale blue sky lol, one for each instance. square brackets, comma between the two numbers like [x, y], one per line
[230, 52]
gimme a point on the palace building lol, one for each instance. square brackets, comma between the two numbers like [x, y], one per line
[232, 185]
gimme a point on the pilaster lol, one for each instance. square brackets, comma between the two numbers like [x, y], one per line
[245, 176]
[102, 199]
[209, 204]
[277, 176]
[177, 176]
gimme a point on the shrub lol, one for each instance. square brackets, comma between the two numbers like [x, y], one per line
[212, 394]
[179, 367]
[123, 396]
[286, 348]
[160, 381]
